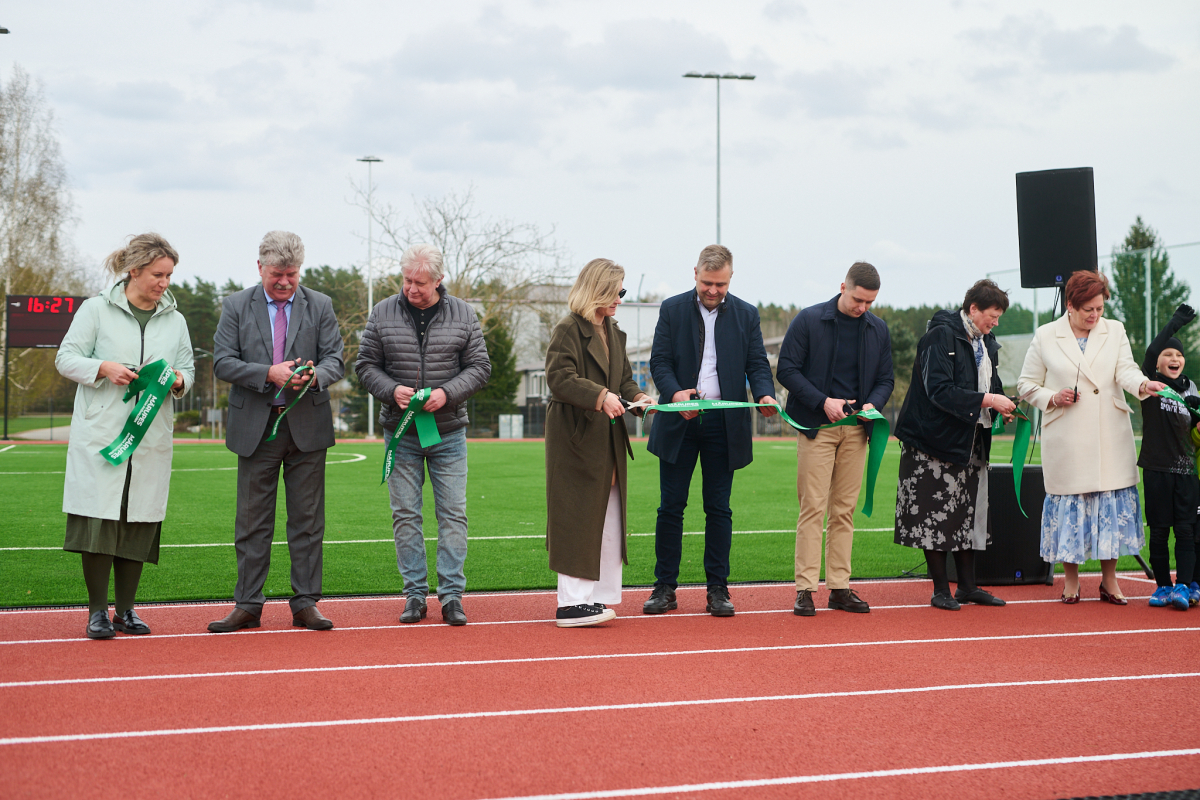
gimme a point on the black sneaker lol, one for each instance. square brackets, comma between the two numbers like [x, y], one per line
[580, 615]
[661, 599]
[719, 604]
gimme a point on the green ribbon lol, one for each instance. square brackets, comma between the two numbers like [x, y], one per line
[155, 379]
[296, 399]
[878, 443]
[1020, 447]
[1170, 393]
[427, 432]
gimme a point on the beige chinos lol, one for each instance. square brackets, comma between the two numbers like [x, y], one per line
[828, 478]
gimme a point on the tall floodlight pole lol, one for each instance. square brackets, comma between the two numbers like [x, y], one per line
[728, 76]
[369, 160]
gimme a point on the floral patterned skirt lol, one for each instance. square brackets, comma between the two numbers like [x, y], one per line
[1103, 525]
[940, 505]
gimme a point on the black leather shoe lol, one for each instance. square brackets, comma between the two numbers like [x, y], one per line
[452, 612]
[130, 623]
[661, 599]
[847, 600]
[978, 597]
[236, 620]
[415, 610]
[312, 619]
[719, 604]
[944, 600]
[804, 604]
[99, 626]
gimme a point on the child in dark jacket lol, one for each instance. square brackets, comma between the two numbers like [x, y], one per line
[1167, 459]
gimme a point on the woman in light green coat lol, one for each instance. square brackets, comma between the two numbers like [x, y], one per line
[115, 513]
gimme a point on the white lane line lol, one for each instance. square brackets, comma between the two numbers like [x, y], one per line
[779, 648]
[356, 458]
[526, 712]
[433, 627]
[852, 776]
[547, 592]
[6, 449]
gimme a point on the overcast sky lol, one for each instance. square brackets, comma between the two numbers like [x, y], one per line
[878, 130]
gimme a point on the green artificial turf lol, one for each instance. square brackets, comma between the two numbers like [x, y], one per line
[505, 498]
[22, 424]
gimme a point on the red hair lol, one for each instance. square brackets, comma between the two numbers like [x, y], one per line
[1083, 286]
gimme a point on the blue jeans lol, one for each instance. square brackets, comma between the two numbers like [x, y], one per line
[447, 462]
[706, 441]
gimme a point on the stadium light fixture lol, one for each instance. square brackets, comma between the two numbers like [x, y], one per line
[728, 76]
[369, 160]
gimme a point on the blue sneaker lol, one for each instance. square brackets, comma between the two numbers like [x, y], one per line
[1180, 597]
[1194, 590]
[1161, 597]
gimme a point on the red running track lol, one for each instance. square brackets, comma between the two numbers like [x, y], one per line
[1035, 700]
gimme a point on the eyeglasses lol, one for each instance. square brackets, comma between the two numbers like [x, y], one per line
[621, 294]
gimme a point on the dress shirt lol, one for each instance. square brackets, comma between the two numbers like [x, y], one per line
[709, 386]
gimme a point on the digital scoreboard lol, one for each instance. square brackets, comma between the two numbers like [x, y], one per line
[39, 320]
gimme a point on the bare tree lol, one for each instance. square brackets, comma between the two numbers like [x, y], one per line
[495, 262]
[35, 213]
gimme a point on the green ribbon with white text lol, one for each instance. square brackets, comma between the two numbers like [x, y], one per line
[878, 443]
[427, 432]
[155, 380]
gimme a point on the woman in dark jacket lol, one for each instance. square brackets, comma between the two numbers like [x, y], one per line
[590, 381]
[945, 434]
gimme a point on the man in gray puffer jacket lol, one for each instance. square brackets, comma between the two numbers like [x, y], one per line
[424, 337]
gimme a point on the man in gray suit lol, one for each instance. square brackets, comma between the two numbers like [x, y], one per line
[264, 334]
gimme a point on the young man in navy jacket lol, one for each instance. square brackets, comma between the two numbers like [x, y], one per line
[708, 344]
[835, 359]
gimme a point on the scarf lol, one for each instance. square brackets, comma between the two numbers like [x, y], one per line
[983, 363]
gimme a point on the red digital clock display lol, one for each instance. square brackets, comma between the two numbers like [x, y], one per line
[39, 320]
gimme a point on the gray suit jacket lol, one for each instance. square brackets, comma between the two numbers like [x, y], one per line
[243, 355]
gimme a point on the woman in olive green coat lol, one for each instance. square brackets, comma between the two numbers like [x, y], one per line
[589, 377]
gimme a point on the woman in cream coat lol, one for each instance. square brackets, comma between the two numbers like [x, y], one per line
[115, 513]
[1077, 371]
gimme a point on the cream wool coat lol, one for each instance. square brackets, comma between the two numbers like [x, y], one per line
[1086, 447]
[104, 330]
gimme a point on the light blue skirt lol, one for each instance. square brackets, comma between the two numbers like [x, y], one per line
[1096, 525]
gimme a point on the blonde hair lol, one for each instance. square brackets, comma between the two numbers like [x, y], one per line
[597, 286]
[142, 251]
[715, 257]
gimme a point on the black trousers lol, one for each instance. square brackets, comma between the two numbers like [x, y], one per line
[703, 439]
[1171, 502]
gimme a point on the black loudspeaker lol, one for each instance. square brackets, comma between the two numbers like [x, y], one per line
[1056, 223]
[1014, 556]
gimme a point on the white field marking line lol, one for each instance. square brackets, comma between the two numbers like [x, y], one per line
[509, 595]
[780, 648]
[630, 618]
[6, 449]
[427, 538]
[527, 712]
[851, 776]
[357, 457]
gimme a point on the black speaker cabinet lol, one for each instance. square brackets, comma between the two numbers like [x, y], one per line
[1014, 556]
[1056, 223]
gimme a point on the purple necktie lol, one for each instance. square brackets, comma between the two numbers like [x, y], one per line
[279, 339]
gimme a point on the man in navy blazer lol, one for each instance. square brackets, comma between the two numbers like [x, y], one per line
[707, 343]
[835, 358]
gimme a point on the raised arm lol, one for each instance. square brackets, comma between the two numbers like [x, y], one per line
[1182, 316]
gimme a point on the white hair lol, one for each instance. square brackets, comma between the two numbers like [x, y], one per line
[281, 249]
[423, 257]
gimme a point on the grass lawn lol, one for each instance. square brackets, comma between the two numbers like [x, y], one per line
[506, 498]
[22, 424]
